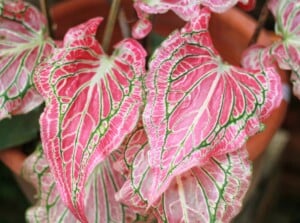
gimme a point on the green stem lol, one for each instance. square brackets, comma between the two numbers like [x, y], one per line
[112, 17]
[45, 11]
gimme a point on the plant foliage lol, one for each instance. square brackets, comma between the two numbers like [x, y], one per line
[24, 43]
[124, 140]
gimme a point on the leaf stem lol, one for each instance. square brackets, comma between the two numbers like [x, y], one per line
[112, 17]
[264, 13]
[45, 11]
[125, 29]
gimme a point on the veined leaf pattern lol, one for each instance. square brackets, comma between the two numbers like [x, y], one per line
[93, 102]
[198, 106]
[260, 58]
[185, 9]
[287, 51]
[206, 193]
[137, 189]
[23, 45]
[101, 205]
[49, 207]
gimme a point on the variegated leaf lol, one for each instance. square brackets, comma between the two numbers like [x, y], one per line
[287, 51]
[287, 15]
[287, 55]
[260, 58]
[185, 9]
[295, 79]
[207, 193]
[137, 189]
[197, 105]
[141, 28]
[100, 203]
[23, 45]
[49, 207]
[93, 102]
[223, 5]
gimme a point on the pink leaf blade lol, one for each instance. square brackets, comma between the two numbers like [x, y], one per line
[49, 207]
[100, 203]
[287, 51]
[93, 103]
[261, 58]
[287, 55]
[141, 28]
[23, 45]
[212, 192]
[207, 192]
[197, 106]
[186, 10]
[287, 15]
[295, 79]
[220, 6]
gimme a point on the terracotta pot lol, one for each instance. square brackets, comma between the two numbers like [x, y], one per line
[231, 32]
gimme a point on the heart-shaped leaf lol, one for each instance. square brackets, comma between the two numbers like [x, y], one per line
[185, 9]
[287, 15]
[23, 45]
[287, 51]
[101, 205]
[93, 102]
[49, 207]
[206, 193]
[260, 58]
[198, 106]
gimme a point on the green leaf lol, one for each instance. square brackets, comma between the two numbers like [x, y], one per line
[22, 129]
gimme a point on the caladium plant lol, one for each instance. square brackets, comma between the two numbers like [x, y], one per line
[100, 203]
[205, 193]
[93, 102]
[180, 118]
[287, 50]
[124, 140]
[185, 9]
[24, 43]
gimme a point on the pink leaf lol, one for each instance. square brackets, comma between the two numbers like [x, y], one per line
[197, 106]
[205, 193]
[137, 189]
[100, 203]
[141, 28]
[185, 9]
[295, 79]
[93, 102]
[223, 5]
[23, 45]
[287, 51]
[260, 59]
[49, 207]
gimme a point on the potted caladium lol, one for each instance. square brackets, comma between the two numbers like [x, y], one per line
[130, 140]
